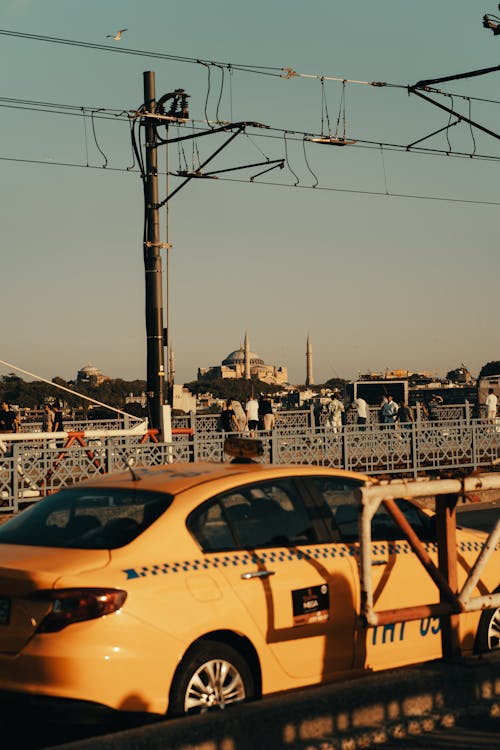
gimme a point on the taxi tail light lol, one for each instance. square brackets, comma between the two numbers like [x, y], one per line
[77, 605]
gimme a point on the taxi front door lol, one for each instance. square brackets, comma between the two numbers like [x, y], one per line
[296, 587]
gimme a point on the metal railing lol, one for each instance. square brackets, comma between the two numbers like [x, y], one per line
[452, 600]
[33, 466]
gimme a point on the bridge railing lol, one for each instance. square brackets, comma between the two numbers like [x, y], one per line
[34, 466]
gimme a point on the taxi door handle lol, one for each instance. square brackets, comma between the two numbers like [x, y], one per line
[379, 562]
[257, 574]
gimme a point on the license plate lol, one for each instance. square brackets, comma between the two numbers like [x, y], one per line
[4, 611]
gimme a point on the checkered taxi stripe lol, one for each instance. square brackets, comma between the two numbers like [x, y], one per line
[275, 557]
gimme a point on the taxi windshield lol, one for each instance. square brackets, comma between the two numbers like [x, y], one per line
[92, 518]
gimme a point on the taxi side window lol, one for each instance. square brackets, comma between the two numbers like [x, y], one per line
[264, 514]
[340, 499]
[338, 494]
[210, 528]
[268, 514]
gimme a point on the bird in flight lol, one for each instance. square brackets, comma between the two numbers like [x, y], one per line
[116, 36]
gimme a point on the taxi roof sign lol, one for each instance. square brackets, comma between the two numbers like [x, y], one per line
[243, 449]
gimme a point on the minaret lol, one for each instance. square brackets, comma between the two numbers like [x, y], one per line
[309, 363]
[247, 357]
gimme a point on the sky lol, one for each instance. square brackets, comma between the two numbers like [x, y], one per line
[387, 258]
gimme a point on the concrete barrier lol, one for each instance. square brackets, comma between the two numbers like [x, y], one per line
[343, 716]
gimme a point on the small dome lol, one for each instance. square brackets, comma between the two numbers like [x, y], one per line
[89, 370]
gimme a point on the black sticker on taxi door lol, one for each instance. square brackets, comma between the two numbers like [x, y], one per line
[311, 605]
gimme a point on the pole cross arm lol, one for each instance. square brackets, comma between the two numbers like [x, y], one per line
[456, 77]
[198, 173]
[222, 129]
[463, 118]
[190, 177]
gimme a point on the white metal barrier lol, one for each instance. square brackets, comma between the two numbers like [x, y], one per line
[446, 492]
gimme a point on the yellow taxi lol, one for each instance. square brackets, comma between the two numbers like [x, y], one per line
[190, 586]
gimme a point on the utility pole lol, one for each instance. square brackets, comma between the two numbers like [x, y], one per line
[152, 265]
[153, 115]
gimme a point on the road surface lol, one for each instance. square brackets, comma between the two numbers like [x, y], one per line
[468, 734]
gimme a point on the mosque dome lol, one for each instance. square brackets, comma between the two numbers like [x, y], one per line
[90, 374]
[89, 370]
[238, 357]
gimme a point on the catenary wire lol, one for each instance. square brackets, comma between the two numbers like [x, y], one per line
[280, 72]
[268, 184]
[120, 114]
[262, 69]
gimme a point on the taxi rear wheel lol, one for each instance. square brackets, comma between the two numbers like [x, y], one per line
[488, 632]
[212, 676]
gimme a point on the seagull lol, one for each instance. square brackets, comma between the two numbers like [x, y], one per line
[116, 36]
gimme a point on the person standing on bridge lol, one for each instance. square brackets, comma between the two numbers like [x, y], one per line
[8, 419]
[389, 410]
[58, 417]
[404, 415]
[491, 404]
[335, 411]
[47, 419]
[266, 413]
[362, 409]
[252, 412]
[228, 418]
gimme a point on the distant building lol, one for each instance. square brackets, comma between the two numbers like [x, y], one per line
[142, 399]
[183, 399]
[245, 364]
[90, 375]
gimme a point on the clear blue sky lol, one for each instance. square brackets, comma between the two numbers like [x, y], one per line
[378, 281]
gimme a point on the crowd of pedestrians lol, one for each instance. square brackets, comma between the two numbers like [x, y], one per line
[257, 416]
[335, 414]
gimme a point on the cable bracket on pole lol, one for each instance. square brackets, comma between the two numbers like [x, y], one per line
[162, 245]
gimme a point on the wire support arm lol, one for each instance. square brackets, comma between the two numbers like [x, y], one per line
[198, 173]
[426, 137]
[457, 77]
[463, 118]
[224, 129]
[191, 176]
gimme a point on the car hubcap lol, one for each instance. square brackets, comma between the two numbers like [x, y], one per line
[494, 631]
[215, 684]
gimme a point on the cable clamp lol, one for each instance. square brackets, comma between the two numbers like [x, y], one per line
[161, 245]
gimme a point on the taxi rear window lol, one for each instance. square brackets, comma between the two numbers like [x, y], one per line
[93, 518]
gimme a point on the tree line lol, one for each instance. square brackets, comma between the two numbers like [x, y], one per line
[33, 394]
[113, 392]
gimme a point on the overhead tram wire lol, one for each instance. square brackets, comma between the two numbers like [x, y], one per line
[101, 113]
[298, 135]
[290, 73]
[114, 115]
[278, 72]
[287, 134]
[382, 194]
[285, 73]
[260, 69]
[75, 165]
[316, 188]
